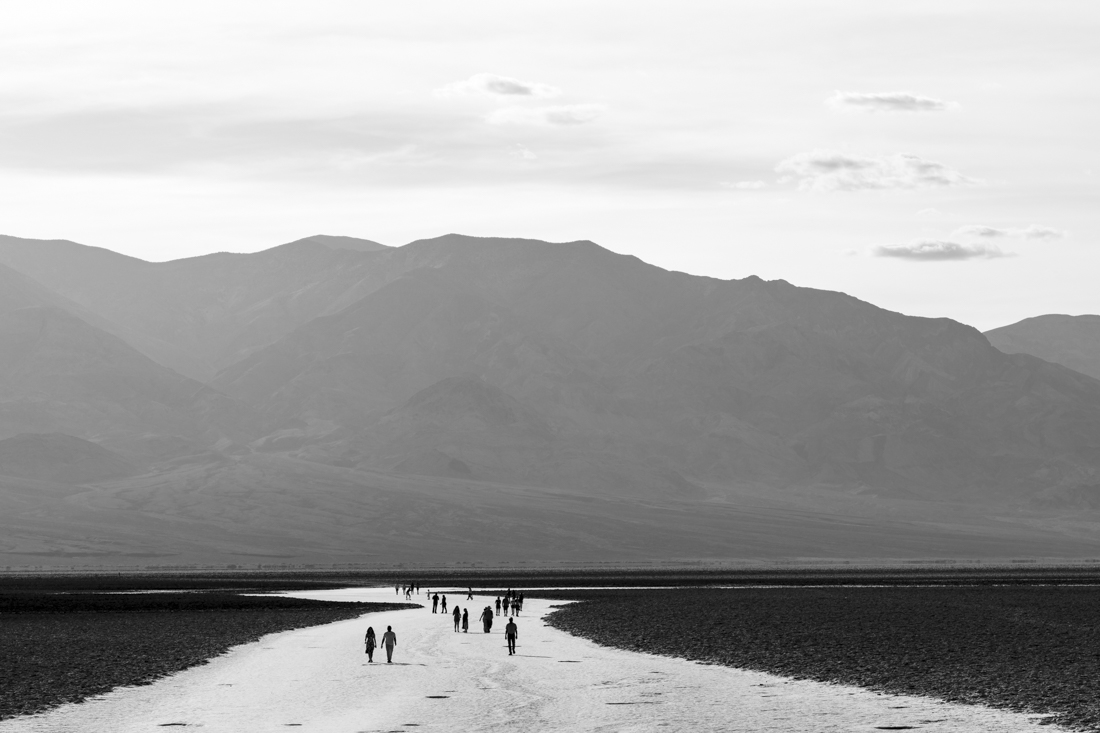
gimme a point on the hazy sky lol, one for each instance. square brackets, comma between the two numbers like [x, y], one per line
[937, 158]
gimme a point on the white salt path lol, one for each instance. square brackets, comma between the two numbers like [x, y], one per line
[318, 679]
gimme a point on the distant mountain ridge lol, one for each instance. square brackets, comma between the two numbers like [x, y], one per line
[560, 372]
[1072, 341]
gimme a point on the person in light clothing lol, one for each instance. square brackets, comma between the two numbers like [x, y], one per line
[389, 640]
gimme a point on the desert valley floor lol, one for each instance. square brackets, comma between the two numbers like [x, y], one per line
[318, 679]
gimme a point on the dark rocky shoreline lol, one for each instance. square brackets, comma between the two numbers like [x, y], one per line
[66, 647]
[1029, 649]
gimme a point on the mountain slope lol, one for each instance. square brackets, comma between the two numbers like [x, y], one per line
[60, 374]
[463, 396]
[1072, 341]
[641, 371]
[55, 457]
[201, 314]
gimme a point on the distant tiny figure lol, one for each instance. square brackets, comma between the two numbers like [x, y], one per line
[389, 640]
[418, 589]
[397, 590]
[504, 605]
[435, 603]
[498, 605]
[458, 617]
[444, 607]
[469, 594]
[487, 618]
[465, 621]
[511, 631]
[371, 643]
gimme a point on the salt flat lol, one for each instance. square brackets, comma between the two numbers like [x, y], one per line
[318, 679]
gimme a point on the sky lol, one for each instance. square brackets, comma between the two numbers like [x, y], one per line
[935, 158]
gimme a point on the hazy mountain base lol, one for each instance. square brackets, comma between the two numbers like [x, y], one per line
[264, 509]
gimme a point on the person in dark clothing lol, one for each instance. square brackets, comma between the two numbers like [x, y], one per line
[389, 640]
[511, 631]
[487, 618]
[371, 643]
[443, 608]
[498, 605]
[458, 617]
[466, 621]
[469, 594]
[435, 603]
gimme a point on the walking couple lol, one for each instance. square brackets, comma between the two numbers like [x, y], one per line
[389, 640]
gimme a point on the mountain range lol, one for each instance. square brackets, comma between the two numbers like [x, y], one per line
[463, 399]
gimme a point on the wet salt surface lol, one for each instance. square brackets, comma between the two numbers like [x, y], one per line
[318, 679]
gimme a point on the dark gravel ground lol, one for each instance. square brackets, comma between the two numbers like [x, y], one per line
[65, 647]
[1026, 648]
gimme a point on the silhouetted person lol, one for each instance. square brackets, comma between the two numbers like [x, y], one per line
[397, 590]
[504, 605]
[371, 643]
[444, 608]
[487, 618]
[389, 640]
[469, 594]
[511, 631]
[418, 589]
[458, 617]
[435, 603]
[466, 621]
[498, 605]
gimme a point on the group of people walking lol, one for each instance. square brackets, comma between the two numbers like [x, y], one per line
[511, 599]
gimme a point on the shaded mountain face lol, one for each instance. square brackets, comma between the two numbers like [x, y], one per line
[1072, 341]
[664, 381]
[60, 458]
[60, 374]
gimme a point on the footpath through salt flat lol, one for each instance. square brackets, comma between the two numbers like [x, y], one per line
[318, 679]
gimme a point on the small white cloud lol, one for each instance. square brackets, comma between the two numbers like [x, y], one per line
[1037, 232]
[939, 251]
[1032, 232]
[887, 102]
[494, 84]
[983, 232]
[566, 115]
[522, 151]
[929, 213]
[827, 170]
